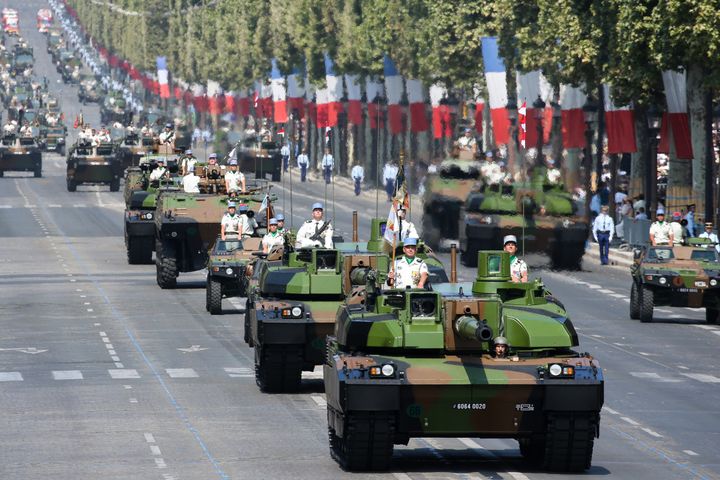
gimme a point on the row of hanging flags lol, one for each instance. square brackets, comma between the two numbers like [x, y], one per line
[284, 93]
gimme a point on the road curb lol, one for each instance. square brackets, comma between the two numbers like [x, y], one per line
[618, 259]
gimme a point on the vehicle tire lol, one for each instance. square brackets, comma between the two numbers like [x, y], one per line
[214, 294]
[712, 316]
[569, 442]
[115, 185]
[2, 174]
[567, 257]
[139, 250]
[61, 151]
[634, 302]
[247, 336]
[276, 177]
[167, 273]
[367, 441]
[469, 256]
[278, 368]
[38, 172]
[71, 185]
[647, 304]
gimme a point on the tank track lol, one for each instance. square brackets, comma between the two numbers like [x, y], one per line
[278, 368]
[569, 441]
[367, 443]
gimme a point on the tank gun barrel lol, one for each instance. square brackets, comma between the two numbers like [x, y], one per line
[473, 329]
[360, 275]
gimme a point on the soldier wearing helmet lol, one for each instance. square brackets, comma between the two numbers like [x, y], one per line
[500, 347]
[518, 267]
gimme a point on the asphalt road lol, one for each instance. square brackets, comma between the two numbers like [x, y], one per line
[103, 375]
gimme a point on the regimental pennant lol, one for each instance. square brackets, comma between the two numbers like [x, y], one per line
[400, 198]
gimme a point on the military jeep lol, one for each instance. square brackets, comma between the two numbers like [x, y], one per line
[227, 262]
[93, 165]
[20, 154]
[679, 276]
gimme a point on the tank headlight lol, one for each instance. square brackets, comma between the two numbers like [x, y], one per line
[662, 280]
[713, 282]
[173, 234]
[296, 311]
[388, 370]
[555, 370]
[229, 271]
[149, 215]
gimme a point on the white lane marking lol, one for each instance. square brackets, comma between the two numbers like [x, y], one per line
[651, 432]
[605, 290]
[705, 327]
[703, 377]
[11, 377]
[663, 310]
[654, 376]
[625, 299]
[109, 346]
[315, 374]
[106, 340]
[133, 400]
[593, 286]
[112, 352]
[630, 421]
[149, 438]
[90, 310]
[691, 453]
[6, 206]
[610, 410]
[67, 375]
[54, 205]
[683, 367]
[320, 400]
[470, 443]
[100, 202]
[79, 205]
[402, 476]
[518, 476]
[239, 372]
[27, 205]
[115, 358]
[617, 295]
[103, 334]
[119, 365]
[123, 373]
[155, 450]
[181, 373]
[716, 332]
[160, 463]
[645, 354]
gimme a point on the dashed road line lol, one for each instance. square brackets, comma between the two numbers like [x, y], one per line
[123, 373]
[702, 377]
[610, 410]
[67, 375]
[651, 432]
[11, 377]
[655, 377]
[630, 421]
[181, 373]
[691, 453]
[239, 372]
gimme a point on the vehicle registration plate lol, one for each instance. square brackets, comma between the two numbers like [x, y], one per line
[688, 290]
[700, 284]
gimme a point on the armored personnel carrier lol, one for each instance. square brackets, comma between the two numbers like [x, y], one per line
[418, 363]
[140, 202]
[260, 157]
[133, 147]
[90, 91]
[445, 192]
[20, 154]
[187, 224]
[115, 109]
[226, 267]
[93, 165]
[291, 309]
[543, 217]
[52, 139]
[679, 276]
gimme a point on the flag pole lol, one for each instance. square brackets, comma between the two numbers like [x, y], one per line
[377, 157]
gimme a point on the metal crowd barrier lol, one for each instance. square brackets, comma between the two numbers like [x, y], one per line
[637, 232]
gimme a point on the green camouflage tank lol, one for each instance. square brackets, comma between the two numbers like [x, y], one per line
[93, 165]
[544, 218]
[679, 276]
[445, 193]
[418, 363]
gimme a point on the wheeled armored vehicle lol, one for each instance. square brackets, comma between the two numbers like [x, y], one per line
[20, 154]
[675, 276]
[260, 157]
[89, 164]
[226, 267]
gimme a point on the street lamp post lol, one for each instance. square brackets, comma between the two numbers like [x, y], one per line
[590, 116]
[654, 118]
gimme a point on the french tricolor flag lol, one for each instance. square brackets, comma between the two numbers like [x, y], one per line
[572, 100]
[440, 112]
[279, 94]
[199, 99]
[497, 90]
[620, 126]
[295, 93]
[162, 73]
[354, 95]
[394, 92]
[214, 93]
[374, 91]
[310, 100]
[528, 90]
[263, 100]
[334, 92]
[676, 120]
[416, 99]
[242, 103]
[229, 102]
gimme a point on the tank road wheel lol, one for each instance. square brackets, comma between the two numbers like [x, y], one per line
[139, 250]
[115, 185]
[712, 315]
[647, 304]
[278, 368]
[367, 443]
[634, 302]
[214, 296]
[167, 273]
[569, 442]
[71, 185]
